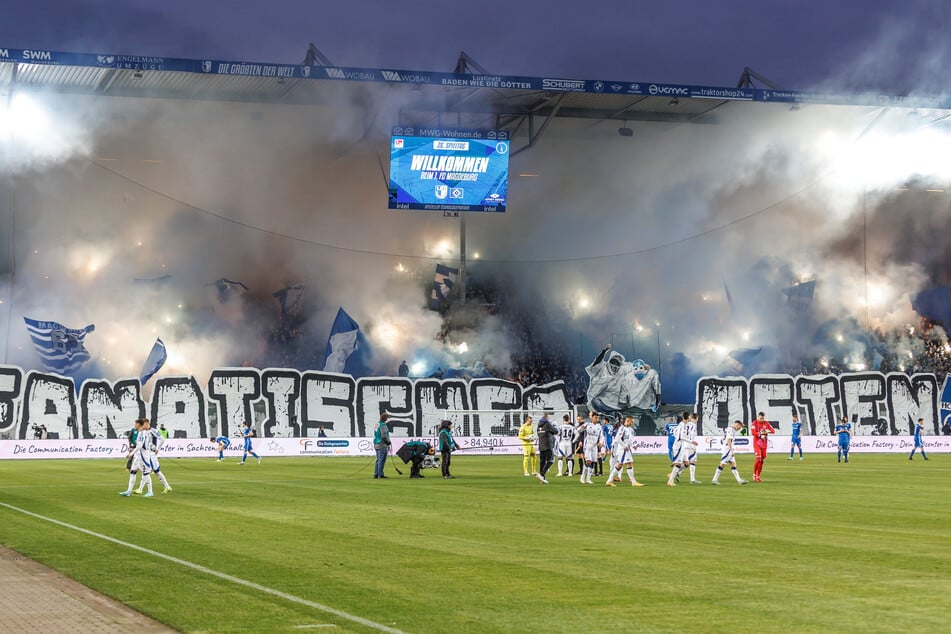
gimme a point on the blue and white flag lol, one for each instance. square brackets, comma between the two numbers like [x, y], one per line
[154, 363]
[443, 283]
[290, 298]
[345, 347]
[61, 349]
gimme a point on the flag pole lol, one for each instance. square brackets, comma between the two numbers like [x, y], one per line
[462, 256]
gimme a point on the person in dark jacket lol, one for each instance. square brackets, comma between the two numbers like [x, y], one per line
[447, 445]
[415, 452]
[547, 438]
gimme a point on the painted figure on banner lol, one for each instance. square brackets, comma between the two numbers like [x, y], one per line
[618, 387]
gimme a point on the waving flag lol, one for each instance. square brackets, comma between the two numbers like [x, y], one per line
[226, 288]
[154, 363]
[290, 298]
[443, 283]
[346, 347]
[61, 349]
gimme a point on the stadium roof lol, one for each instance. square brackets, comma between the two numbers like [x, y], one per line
[509, 100]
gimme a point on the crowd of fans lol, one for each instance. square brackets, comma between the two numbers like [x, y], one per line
[545, 344]
[919, 348]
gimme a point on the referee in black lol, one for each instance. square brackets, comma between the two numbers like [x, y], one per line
[547, 437]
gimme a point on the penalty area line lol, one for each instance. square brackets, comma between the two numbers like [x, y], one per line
[213, 573]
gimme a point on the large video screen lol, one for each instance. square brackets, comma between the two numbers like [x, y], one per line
[448, 170]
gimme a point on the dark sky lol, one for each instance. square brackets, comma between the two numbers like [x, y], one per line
[849, 44]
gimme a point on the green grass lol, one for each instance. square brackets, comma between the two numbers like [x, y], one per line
[819, 546]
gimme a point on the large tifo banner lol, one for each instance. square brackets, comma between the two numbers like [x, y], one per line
[876, 404]
[285, 403]
[468, 446]
[293, 404]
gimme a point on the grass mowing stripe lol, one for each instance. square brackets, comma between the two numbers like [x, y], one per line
[213, 573]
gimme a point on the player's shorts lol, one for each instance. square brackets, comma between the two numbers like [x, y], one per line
[247, 444]
[727, 457]
[919, 444]
[564, 448]
[844, 444]
[144, 464]
[591, 454]
[684, 451]
[759, 448]
[226, 443]
[796, 442]
[528, 450]
[622, 455]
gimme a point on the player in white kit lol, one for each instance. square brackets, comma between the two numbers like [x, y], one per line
[593, 446]
[728, 457]
[566, 442]
[692, 448]
[685, 450]
[156, 440]
[622, 452]
[141, 456]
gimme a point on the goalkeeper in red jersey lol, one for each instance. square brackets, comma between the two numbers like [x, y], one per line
[760, 430]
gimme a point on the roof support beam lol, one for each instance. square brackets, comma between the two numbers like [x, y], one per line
[532, 138]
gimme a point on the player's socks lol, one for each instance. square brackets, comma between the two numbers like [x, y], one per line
[148, 485]
[131, 482]
[693, 472]
[630, 475]
[164, 481]
[716, 476]
[221, 454]
[736, 474]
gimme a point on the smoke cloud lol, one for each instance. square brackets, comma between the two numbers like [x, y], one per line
[607, 240]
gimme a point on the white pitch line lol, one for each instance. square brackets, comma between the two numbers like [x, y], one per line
[313, 626]
[214, 573]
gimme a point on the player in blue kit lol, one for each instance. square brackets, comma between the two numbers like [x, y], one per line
[246, 433]
[608, 430]
[796, 440]
[669, 428]
[844, 430]
[919, 441]
[223, 443]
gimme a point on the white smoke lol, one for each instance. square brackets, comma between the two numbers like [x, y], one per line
[612, 233]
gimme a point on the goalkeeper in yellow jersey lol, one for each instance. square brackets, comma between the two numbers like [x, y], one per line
[526, 433]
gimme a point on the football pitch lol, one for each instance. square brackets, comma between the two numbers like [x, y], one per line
[310, 543]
